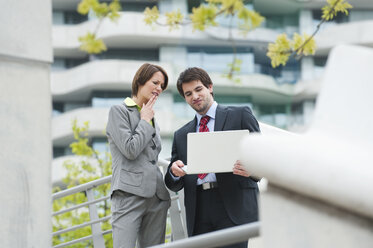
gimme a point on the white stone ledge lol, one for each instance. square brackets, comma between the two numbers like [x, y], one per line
[332, 162]
[286, 161]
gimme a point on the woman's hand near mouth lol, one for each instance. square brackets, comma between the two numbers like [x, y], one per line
[147, 112]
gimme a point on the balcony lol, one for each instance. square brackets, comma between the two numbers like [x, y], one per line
[359, 33]
[62, 134]
[78, 82]
[131, 31]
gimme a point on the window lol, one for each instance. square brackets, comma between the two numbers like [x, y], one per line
[193, 4]
[130, 54]
[58, 17]
[319, 67]
[70, 63]
[339, 18]
[59, 151]
[233, 100]
[288, 23]
[73, 17]
[276, 115]
[216, 59]
[289, 74]
[58, 108]
[60, 64]
[182, 110]
[105, 99]
[100, 145]
[135, 5]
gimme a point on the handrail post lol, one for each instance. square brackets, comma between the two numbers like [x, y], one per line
[177, 225]
[98, 239]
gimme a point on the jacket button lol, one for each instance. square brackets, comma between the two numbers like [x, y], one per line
[153, 147]
[153, 135]
[153, 161]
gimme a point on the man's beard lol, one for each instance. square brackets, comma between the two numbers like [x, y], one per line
[203, 108]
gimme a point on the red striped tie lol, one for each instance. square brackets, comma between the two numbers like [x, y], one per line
[203, 128]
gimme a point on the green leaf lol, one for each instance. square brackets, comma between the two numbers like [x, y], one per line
[279, 51]
[203, 16]
[84, 6]
[333, 7]
[303, 45]
[251, 19]
[174, 19]
[151, 15]
[92, 45]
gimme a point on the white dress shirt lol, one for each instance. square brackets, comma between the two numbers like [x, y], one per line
[210, 177]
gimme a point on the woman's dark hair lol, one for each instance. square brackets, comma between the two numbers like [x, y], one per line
[193, 74]
[144, 74]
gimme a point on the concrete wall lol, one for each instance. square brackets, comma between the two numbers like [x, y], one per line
[293, 220]
[25, 110]
[320, 182]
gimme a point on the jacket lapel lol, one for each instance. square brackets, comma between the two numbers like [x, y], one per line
[157, 130]
[191, 126]
[134, 113]
[220, 117]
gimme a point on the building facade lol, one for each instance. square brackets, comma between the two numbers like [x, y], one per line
[85, 86]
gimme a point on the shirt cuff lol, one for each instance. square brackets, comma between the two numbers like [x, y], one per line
[175, 178]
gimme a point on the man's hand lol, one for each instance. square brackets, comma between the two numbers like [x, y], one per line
[147, 112]
[238, 169]
[176, 168]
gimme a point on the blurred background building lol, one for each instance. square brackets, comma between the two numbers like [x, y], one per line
[85, 86]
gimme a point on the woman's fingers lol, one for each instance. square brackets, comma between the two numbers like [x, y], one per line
[152, 101]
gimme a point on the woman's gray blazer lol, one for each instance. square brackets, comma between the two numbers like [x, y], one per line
[134, 145]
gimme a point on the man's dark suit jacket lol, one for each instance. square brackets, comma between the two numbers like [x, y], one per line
[239, 193]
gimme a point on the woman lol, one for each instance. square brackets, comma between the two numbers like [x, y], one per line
[139, 198]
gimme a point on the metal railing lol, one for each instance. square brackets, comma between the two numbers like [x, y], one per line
[176, 214]
[95, 221]
[219, 238]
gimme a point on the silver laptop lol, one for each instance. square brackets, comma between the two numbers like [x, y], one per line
[213, 151]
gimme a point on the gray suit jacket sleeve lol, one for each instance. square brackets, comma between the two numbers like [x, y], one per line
[131, 141]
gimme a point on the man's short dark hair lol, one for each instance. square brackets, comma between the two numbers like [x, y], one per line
[144, 74]
[193, 74]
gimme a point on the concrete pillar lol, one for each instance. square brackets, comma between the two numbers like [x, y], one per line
[25, 112]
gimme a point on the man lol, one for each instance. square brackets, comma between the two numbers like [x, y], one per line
[212, 201]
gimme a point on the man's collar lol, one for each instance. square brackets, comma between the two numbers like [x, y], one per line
[211, 112]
